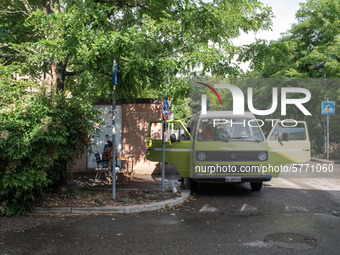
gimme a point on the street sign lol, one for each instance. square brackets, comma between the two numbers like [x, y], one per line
[115, 71]
[328, 107]
[166, 108]
[166, 114]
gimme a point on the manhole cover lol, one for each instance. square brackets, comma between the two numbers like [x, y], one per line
[291, 241]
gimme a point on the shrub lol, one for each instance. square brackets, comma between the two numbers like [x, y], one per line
[334, 150]
[40, 135]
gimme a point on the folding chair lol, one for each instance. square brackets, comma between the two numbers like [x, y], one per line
[102, 165]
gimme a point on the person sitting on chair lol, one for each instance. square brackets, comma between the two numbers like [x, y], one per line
[206, 133]
[107, 154]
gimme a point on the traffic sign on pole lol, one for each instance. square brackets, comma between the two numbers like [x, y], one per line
[166, 108]
[115, 71]
[166, 114]
[328, 107]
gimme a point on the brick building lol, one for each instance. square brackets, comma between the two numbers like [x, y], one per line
[131, 132]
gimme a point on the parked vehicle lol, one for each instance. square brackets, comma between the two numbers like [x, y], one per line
[222, 147]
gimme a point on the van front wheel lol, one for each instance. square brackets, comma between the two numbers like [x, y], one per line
[256, 186]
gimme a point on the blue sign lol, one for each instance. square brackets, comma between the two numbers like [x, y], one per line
[166, 108]
[328, 107]
[115, 71]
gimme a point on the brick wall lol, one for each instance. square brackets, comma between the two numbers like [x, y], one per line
[135, 127]
[80, 164]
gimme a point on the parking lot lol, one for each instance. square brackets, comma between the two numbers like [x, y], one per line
[288, 216]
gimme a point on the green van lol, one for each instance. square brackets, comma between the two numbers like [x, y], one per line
[222, 147]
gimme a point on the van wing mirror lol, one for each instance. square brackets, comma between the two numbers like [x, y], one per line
[283, 137]
[173, 138]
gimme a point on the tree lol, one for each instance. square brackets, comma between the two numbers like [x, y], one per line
[315, 38]
[39, 136]
[76, 40]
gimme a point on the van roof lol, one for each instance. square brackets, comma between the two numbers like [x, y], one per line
[225, 114]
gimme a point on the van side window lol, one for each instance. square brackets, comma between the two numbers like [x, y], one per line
[171, 128]
[297, 133]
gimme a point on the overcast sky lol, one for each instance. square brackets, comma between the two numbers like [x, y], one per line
[284, 12]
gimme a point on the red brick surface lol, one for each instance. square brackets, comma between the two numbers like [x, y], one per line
[80, 164]
[135, 128]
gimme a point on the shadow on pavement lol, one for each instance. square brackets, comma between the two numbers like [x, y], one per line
[139, 181]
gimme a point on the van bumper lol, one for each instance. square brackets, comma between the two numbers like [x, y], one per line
[234, 178]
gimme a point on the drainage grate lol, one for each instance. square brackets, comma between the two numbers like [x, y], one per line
[290, 241]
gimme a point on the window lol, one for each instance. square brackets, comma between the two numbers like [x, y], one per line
[297, 133]
[175, 128]
[229, 129]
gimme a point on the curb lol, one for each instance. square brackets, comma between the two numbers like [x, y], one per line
[117, 209]
[324, 161]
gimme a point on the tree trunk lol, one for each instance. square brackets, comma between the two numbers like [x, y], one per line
[59, 74]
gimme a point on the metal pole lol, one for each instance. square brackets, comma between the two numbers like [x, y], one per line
[324, 82]
[324, 117]
[113, 161]
[327, 136]
[173, 118]
[163, 153]
[325, 133]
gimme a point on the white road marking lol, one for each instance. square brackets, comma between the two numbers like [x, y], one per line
[248, 208]
[259, 244]
[290, 208]
[208, 208]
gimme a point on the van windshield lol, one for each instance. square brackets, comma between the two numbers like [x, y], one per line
[233, 129]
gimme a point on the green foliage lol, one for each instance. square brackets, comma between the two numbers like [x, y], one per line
[39, 137]
[315, 38]
[334, 151]
[77, 40]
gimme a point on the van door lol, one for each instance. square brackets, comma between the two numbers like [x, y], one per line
[177, 145]
[288, 144]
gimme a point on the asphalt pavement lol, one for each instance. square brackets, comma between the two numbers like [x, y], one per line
[289, 216]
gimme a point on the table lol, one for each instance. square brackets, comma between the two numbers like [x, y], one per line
[126, 158]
